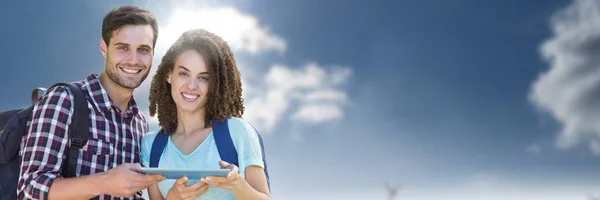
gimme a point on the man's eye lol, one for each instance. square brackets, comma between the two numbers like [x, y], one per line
[144, 50]
[122, 48]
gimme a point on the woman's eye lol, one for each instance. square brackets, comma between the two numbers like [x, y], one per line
[182, 74]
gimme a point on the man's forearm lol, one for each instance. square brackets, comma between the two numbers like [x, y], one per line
[83, 187]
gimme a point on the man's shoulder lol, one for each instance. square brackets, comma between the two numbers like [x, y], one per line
[57, 96]
[64, 91]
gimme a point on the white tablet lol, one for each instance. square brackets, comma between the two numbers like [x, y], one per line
[174, 173]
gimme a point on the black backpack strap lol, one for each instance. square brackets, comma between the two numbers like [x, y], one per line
[78, 129]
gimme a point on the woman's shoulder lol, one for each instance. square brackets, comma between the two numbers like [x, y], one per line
[236, 121]
[240, 128]
[239, 124]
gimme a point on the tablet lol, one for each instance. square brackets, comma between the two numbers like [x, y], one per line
[172, 173]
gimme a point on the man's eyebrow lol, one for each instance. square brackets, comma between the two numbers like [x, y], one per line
[125, 44]
[146, 46]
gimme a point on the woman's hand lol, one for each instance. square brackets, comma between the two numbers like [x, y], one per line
[228, 182]
[180, 190]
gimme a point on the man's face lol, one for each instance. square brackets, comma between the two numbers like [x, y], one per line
[128, 57]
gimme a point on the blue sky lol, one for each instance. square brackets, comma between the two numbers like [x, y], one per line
[452, 99]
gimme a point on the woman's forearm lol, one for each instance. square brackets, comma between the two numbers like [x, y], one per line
[244, 191]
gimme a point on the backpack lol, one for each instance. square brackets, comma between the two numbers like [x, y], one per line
[13, 124]
[224, 143]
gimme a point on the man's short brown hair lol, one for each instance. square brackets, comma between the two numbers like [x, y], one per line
[127, 15]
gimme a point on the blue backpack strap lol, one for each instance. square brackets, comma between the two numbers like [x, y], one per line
[224, 142]
[226, 148]
[158, 146]
[262, 149]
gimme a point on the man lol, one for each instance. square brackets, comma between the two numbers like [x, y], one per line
[107, 164]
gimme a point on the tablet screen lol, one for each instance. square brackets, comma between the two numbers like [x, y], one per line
[190, 173]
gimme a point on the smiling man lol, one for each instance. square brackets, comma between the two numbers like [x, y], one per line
[107, 163]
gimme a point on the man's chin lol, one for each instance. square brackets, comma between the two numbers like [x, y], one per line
[130, 84]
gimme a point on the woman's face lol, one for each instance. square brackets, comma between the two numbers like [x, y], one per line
[189, 81]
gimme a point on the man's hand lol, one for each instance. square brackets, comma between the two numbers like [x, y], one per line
[180, 190]
[125, 181]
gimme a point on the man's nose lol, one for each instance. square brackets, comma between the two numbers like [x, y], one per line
[133, 58]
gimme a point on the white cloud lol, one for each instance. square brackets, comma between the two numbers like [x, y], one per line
[317, 113]
[324, 95]
[569, 90]
[241, 31]
[284, 78]
[315, 90]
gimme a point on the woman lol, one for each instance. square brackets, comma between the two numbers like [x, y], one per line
[197, 82]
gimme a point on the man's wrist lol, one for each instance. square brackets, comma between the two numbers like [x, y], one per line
[99, 183]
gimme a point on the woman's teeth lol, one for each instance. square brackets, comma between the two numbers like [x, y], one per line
[190, 97]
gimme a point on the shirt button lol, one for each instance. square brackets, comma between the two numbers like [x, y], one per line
[95, 150]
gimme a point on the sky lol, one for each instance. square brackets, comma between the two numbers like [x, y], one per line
[452, 99]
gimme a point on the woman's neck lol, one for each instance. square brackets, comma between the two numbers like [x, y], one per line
[189, 122]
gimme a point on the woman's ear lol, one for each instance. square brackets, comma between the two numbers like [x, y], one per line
[169, 78]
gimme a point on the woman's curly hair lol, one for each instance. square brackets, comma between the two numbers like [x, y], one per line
[224, 88]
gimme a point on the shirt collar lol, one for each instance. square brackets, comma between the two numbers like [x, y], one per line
[103, 102]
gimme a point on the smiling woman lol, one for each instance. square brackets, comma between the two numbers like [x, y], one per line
[194, 51]
[196, 94]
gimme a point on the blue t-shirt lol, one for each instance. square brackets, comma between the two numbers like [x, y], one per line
[206, 156]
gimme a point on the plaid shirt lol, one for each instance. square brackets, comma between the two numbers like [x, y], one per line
[114, 138]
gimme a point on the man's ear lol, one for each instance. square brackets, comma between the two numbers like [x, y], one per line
[103, 47]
